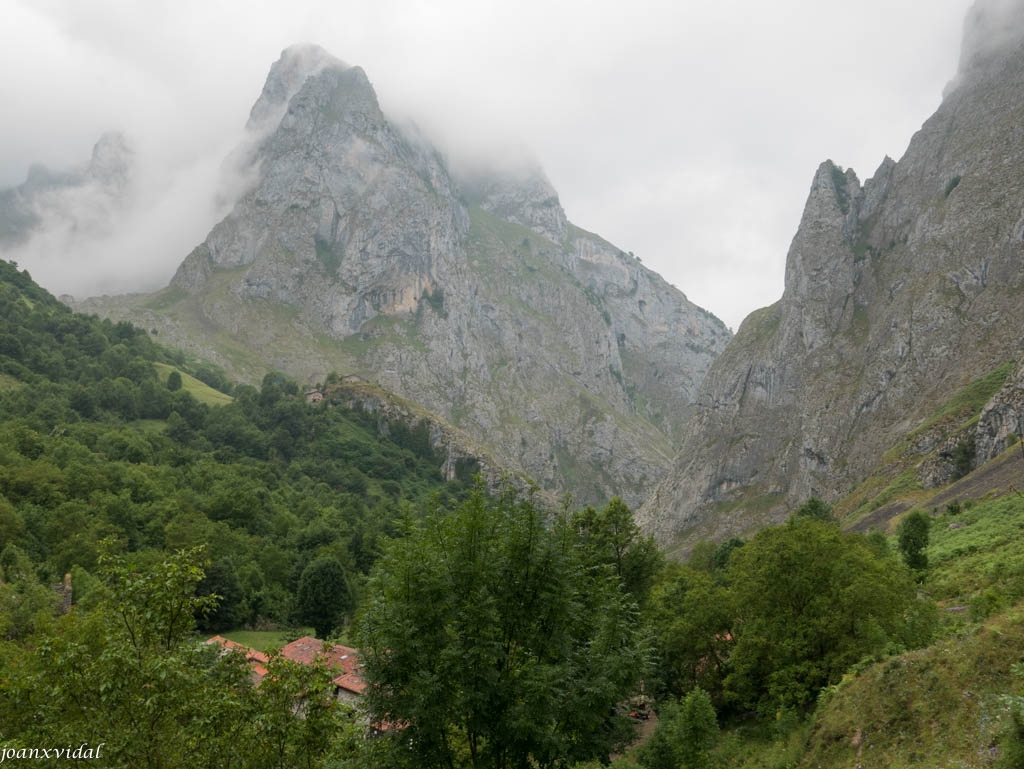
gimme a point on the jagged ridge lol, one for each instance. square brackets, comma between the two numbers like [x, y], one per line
[898, 293]
[357, 250]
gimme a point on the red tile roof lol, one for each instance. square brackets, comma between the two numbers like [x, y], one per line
[257, 659]
[343, 660]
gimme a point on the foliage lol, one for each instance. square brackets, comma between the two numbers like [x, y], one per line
[324, 596]
[485, 634]
[685, 734]
[25, 604]
[690, 618]
[937, 706]
[129, 674]
[842, 194]
[816, 509]
[913, 540]
[94, 444]
[1011, 754]
[963, 458]
[612, 538]
[984, 550]
[720, 558]
[809, 602]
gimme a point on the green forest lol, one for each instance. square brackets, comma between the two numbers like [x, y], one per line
[494, 631]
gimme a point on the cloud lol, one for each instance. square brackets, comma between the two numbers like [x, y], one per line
[93, 237]
[684, 132]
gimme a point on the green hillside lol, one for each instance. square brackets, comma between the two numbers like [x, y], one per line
[812, 644]
[95, 445]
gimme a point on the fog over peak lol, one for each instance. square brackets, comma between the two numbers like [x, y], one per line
[990, 26]
[687, 133]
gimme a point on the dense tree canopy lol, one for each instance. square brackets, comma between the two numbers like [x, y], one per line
[489, 638]
[809, 601]
[95, 443]
[129, 674]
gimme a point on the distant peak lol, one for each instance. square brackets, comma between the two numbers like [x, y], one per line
[112, 158]
[308, 58]
[296, 64]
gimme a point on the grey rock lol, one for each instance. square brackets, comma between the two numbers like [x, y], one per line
[1001, 422]
[898, 293]
[357, 250]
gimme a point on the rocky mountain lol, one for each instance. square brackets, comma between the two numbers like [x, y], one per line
[357, 250]
[78, 199]
[899, 291]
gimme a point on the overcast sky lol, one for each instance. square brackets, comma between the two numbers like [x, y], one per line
[686, 132]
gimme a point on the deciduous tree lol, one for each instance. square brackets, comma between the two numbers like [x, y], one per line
[491, 642]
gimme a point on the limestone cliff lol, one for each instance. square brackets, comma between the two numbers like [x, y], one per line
[898, 292]
[357, 250]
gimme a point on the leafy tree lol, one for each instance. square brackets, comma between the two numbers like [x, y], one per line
[316, 731]
[816, 509]
[323, 596]
[684, 735]
[963, 458]
[174, 381]
[720, 558]
[612, 537]
[129, 673]
[486, 636]
[24, 603]
[690, 617]
[699, 728]
[809, 602]
[220, 580]
[913, 540]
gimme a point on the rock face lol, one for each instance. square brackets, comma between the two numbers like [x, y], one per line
[1001, 422]
[898, 292]
[356, 250]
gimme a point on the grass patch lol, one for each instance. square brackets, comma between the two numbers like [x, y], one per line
[265, 640]
[166, 298]
[739, 749]
[969, 400]
[759, 326]
[984, 551]
[201, 391]
[750, 504]
[934, 707]
[904, 486]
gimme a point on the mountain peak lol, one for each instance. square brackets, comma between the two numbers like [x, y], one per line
[287, 75]
[898, 293]
[357, 250]
[112, 160]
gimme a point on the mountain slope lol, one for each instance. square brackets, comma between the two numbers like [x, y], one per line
[898, 292]
[358, 251]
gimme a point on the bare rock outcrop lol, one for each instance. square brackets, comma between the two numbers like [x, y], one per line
[898, 292]
[357, 250]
